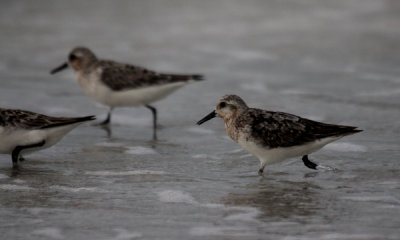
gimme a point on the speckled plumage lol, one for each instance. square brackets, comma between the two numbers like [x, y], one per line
[279, 129]
[119, 76]
[14, 118]
[274, 136]
[24, 131]
[117, 84]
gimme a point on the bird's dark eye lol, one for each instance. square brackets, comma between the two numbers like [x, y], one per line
[72, 57]
[222, 105]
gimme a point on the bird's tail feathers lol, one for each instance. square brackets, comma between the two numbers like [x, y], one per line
[69, 121]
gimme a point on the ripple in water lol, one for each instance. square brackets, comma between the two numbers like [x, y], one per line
[123, 234]
[139, 150]
[11, 187]
[124, 173]
[78, 189]
[248, 214]
[3, 176]
[52, 233]
[200, 130]
[345, 147]
[173, 196]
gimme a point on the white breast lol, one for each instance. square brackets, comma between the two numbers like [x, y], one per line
[269, 156]
[13, 137]
[92, 85]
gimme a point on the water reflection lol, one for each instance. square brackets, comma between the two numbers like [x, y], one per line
[21, 171]
[107, 129]
[282, 200]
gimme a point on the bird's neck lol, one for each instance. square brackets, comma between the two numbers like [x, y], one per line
[230, 128]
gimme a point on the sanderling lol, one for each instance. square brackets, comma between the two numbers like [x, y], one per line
[116, 85]
[23, 132]
[274, 136]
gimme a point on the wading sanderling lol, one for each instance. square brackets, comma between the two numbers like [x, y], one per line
[23, 132]
[116, 85]
[274, 136]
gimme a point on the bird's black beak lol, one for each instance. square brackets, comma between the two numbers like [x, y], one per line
[212, 115]
[59, 68]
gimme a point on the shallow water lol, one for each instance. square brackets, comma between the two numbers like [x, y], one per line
[333, 61]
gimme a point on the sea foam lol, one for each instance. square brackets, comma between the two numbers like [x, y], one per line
[174, 196]
[139, 150]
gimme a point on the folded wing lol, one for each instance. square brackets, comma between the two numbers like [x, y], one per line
[278, 129]
[31, 120]
[125, 76]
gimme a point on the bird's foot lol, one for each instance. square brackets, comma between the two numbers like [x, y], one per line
[15, 166]
[308, 163]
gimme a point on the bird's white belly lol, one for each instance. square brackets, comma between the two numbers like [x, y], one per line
[142, 96]
[96, 89]
[12, 137]
[135, 97]
[272, 155]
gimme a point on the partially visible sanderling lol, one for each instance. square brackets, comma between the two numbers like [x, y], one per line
[116, 84]
[23, 132]
[275, 136]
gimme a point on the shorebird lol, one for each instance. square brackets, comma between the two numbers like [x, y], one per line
[24, 132]
[117, 84]
[274, 136]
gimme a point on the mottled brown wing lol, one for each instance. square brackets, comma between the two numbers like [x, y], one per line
[30, 120]
[278, 129]
[124, 76]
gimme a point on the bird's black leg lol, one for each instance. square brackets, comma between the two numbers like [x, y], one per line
[154, 111]
[107, 128]
[107, 120]
[308, 163]
[17, 150]
[15, 155]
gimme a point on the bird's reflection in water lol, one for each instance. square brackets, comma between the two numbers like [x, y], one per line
[107, 129]
[283, 200]
[311, 174]
[15, 172]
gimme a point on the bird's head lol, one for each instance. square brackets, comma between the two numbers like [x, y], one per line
[228, 107]
[79, 58]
